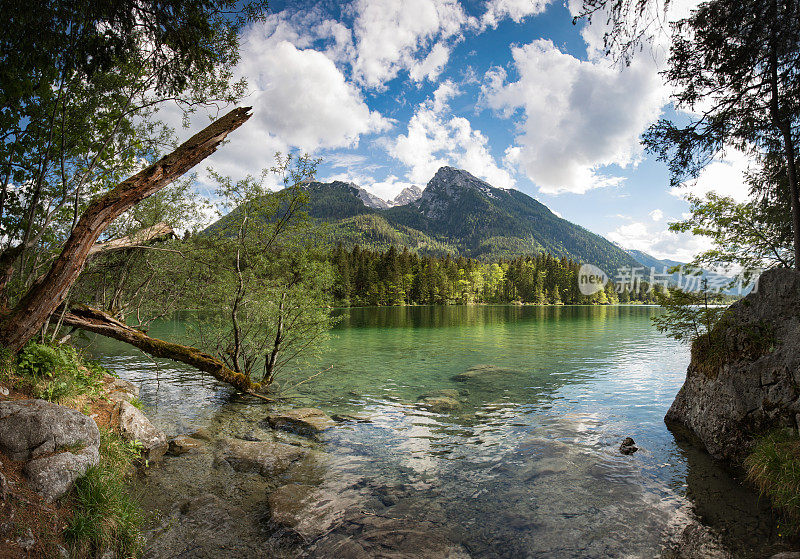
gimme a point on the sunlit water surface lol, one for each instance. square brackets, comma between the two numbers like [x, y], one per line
[527, 464]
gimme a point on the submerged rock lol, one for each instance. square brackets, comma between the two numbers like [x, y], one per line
[479, 372]
[134, 425]
[747, 383]
[205, 527]
[263, 457]
[441, 404]
[628, 446]
[690, 539]
[302, 421]
[183, 444]
[309, 511]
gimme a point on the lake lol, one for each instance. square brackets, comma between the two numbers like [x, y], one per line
[519, 457]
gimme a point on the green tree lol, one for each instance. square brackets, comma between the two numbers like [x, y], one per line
[80, 86]
[266, 295]
[739, 62]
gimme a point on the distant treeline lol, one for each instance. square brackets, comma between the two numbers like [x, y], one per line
[393, 277]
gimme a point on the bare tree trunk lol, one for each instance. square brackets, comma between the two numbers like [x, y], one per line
[272, 359]
[93, 320]
[21, 323]
[785, 129]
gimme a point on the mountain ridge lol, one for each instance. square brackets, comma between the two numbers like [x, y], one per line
[459, 214]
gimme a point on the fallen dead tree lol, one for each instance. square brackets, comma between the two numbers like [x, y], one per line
[99, 322]
[25, 319]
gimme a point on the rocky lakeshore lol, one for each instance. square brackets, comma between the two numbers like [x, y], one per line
[743, 383]
[46, 447]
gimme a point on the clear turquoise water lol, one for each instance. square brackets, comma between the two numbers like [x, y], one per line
[528, 462]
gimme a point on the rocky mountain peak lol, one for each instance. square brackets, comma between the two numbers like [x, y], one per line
[407, 195]
[451, 182]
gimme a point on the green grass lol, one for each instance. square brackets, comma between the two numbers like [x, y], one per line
[136, 402]
[105, 514]
[774, 467]
[56, 373]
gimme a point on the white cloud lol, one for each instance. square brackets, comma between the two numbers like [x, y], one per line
[432, 65]
[656, 215]
[577, 116]
[516, 10]
[656, 240]
[393, 36]
[435, 139]
[389, 187]
[723, 176]
[300, 99]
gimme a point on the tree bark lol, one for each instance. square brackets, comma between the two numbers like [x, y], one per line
[94, 320]
[134, 240]
[785, 129]
[21, 323]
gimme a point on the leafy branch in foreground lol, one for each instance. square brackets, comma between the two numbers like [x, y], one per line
[689, 315]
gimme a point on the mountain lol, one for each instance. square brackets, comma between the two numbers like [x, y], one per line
[458, 214]
[407, 195]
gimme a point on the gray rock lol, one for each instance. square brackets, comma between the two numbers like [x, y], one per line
[786, 555]
[27, 540]
[183, 445]
[628, 446]
[263, 457]
[302, 421]
[755, 390]
[120, 385]
[3, 487]
[53, 476]
[134, 425]
[120, 397]
[33, 428]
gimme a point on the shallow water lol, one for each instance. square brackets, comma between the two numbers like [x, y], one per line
[524, 463]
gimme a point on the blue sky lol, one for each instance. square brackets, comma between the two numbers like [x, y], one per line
[385, 92]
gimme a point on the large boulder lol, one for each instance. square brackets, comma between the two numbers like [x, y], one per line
[59, 443]
[263, 457]
[33, 428]
[747, 381]
[302, 421]
[134, 425]
[53, 476]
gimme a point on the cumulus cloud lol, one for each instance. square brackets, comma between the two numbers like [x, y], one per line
[656, 215]
[392, 36]
[516, 10]
[656, 240]
[725, 177]
[576, 116]
[301, 99]
[434, 138]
